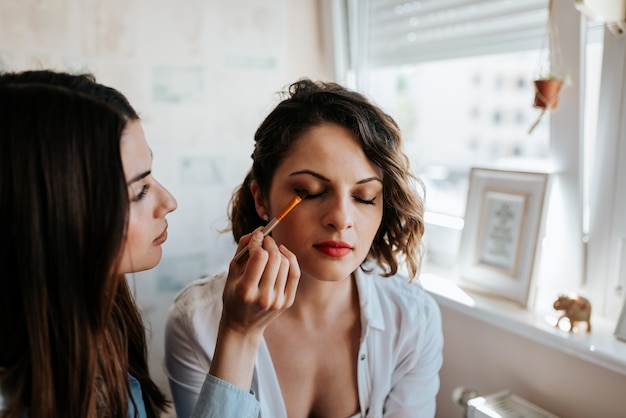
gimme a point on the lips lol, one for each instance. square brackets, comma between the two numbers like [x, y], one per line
[161, 238]
[333, 248]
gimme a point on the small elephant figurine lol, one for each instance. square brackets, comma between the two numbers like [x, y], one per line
[577, 309]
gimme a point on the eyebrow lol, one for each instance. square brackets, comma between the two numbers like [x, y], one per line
[319, 176]
[139, 177]
[142, 175]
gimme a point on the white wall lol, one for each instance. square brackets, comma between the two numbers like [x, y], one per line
[202, 74]
[489, 359]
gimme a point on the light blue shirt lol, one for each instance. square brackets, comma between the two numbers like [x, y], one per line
[220, 399]
[135, 393]
[217, 399]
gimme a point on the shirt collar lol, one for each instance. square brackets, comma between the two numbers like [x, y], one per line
[369, 298]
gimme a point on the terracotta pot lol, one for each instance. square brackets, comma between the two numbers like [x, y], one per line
[547, 93]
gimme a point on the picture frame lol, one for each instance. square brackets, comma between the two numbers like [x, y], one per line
[503, 223]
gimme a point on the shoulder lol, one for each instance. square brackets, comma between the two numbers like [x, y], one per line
[399, 293]
[200, 300]
[193, 317]
[204, 291]
[398, 307]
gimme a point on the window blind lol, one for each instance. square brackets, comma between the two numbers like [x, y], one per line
[396, 32]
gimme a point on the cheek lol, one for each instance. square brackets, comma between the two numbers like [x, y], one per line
[294, 230]
[134, 248]
[290, 228]
[129, 253]
[134, 231]
[133, 239]
[369, 221]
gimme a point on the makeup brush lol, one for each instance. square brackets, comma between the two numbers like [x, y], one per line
[272, 224]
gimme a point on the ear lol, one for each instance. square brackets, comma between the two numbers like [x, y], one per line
[259, 201]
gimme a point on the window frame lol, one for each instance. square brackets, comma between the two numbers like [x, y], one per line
[572, 260]
[606, 273]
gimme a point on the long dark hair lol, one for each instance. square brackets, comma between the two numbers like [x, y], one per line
[307, 104]
[70, 327]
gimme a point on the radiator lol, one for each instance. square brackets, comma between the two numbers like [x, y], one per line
[504, 405]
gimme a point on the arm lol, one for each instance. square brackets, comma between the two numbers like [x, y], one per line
[196, 393]
[257, 290]
[219, 398]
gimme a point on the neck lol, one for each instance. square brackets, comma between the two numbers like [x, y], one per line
[324, 299]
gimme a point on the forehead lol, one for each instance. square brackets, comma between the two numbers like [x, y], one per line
[323, 138]
[135, 152]
[331, 148]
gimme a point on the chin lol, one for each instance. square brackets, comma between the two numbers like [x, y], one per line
[329, 275]
[147, 263]
[151, 265]
[328, 269]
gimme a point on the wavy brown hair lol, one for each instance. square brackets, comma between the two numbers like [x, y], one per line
[70, 327]
[307, 104]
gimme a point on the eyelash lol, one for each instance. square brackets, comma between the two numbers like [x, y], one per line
[142, 193]
[366, 201]
[316, 195]
[307, 194]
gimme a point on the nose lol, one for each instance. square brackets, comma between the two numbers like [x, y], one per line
[338, 215]
[168, 202]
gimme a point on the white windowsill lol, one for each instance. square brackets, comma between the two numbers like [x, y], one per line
[599, 347]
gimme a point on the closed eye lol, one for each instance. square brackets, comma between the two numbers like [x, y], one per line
[142, 193]
[308, 195]
[366, 201]
[313, 195]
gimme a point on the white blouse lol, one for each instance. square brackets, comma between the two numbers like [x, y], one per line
[399, 358]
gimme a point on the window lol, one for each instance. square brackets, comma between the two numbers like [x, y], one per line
[459, 113]
[457, 76]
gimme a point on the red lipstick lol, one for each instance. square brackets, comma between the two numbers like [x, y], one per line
[333, 248]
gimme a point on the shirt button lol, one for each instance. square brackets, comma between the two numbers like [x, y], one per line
[362, 357]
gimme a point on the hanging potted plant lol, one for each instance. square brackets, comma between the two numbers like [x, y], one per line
[547, 91]
[551, 76]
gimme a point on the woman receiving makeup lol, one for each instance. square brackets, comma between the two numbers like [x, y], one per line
[363, 338]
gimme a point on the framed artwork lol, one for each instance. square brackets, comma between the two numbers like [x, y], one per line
[503, 223]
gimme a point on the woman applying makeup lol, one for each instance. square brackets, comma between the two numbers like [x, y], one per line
[82, 209]
[363, 339]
